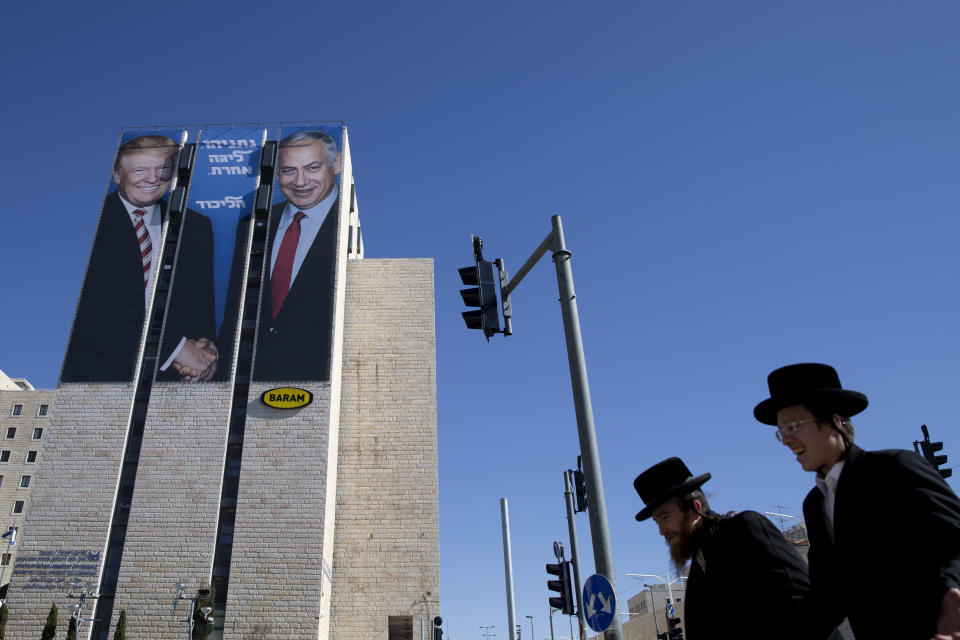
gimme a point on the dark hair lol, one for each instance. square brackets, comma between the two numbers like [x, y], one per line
[705, 512]
[825, 416]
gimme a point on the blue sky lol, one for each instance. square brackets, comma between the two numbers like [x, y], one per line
[742, 185]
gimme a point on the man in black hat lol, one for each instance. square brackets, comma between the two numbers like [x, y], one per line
[731, 556]
[875, 517]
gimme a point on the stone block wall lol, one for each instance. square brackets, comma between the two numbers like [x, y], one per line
[386, 545]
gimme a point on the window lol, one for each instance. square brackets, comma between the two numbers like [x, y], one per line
[24, 482]
[18, 506]
[17, 409]
[11, 432]
[42, 411]
[5, 560]
[31, 457]
[1, 481]
[5, 455]
[38, 433]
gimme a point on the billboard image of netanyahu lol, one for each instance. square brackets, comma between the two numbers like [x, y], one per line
[295, 326]
[117, 289]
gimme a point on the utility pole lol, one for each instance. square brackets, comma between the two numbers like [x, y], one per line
[597, 510]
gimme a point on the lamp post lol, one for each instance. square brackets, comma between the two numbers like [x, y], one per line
[84, 592]
[531, 628]
[206, 611]
[486, 631]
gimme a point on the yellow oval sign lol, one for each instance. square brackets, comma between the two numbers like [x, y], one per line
[287, 398]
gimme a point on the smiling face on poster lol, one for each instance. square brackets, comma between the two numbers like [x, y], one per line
[294, 336]
[117, 288]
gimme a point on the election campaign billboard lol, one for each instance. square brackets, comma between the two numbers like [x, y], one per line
[117, 289]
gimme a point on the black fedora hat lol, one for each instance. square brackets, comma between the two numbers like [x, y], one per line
[810, 384]
[663, 481]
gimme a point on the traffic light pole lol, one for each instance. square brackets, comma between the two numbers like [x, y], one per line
[597, 510]
[574, 549]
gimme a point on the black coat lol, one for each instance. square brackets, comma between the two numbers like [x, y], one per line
[896, 546]
[754, 579]
[105, 340]
[296, 345]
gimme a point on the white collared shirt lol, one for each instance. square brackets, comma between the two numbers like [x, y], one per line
[828, 487]
[154, 222]
[309, 226]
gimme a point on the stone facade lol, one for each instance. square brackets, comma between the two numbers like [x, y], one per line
[386, 558]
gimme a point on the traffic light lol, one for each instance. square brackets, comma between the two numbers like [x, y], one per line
[674, 632]
[563, 586]
[438, 628]
[483, 295]
[929, 450]
[580, 488]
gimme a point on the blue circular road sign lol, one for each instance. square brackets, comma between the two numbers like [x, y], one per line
[599, 602]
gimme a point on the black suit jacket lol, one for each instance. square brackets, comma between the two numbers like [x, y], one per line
[296, 344]
[191, 306]
[896, 545]
[105, 340]
[754, 578]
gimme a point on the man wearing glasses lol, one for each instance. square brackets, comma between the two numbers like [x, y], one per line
[875, 518]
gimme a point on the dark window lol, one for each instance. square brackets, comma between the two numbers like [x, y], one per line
[17, 409]
[24, 482]
[42, 411]
[11, 432]
[18, 506]
[5, 560]
[5, 455]
[38, 433]
[31, 456]
[1, 481]
[399, 627]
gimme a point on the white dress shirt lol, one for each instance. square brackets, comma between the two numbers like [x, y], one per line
[309, 226]
[828, 487]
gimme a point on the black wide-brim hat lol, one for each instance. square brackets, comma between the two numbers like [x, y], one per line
[811, 384]
[663, 481]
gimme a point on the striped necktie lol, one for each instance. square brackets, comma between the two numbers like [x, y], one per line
[146, 247]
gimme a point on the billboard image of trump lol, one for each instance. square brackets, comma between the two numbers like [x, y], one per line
[295, 327]
[117, 289]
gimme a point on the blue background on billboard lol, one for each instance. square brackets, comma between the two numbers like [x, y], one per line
[222, 188]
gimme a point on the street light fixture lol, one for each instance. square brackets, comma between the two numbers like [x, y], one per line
[205, 610]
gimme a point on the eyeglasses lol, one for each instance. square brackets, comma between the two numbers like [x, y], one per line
[790, 428]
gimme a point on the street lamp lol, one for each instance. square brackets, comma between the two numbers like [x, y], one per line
[206, 611]
[532, 636]
[486, 631]
[83, 593]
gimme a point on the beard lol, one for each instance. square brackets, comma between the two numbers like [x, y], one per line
[683, 545]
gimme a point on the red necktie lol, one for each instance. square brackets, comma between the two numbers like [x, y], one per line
[146, 248]
[283, 268]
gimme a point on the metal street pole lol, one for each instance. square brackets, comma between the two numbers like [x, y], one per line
[531, 627]
[574, 550]
[597, 509]
[508, 566]
[550, 609]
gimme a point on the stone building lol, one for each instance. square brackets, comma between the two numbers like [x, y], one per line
[24, 415]
[303, 493]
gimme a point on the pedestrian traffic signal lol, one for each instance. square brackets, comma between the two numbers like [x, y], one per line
[563, 586]
[438, 628]
[929, 450]
[483, 295]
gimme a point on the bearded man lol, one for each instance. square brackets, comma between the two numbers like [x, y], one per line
[743, 572]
